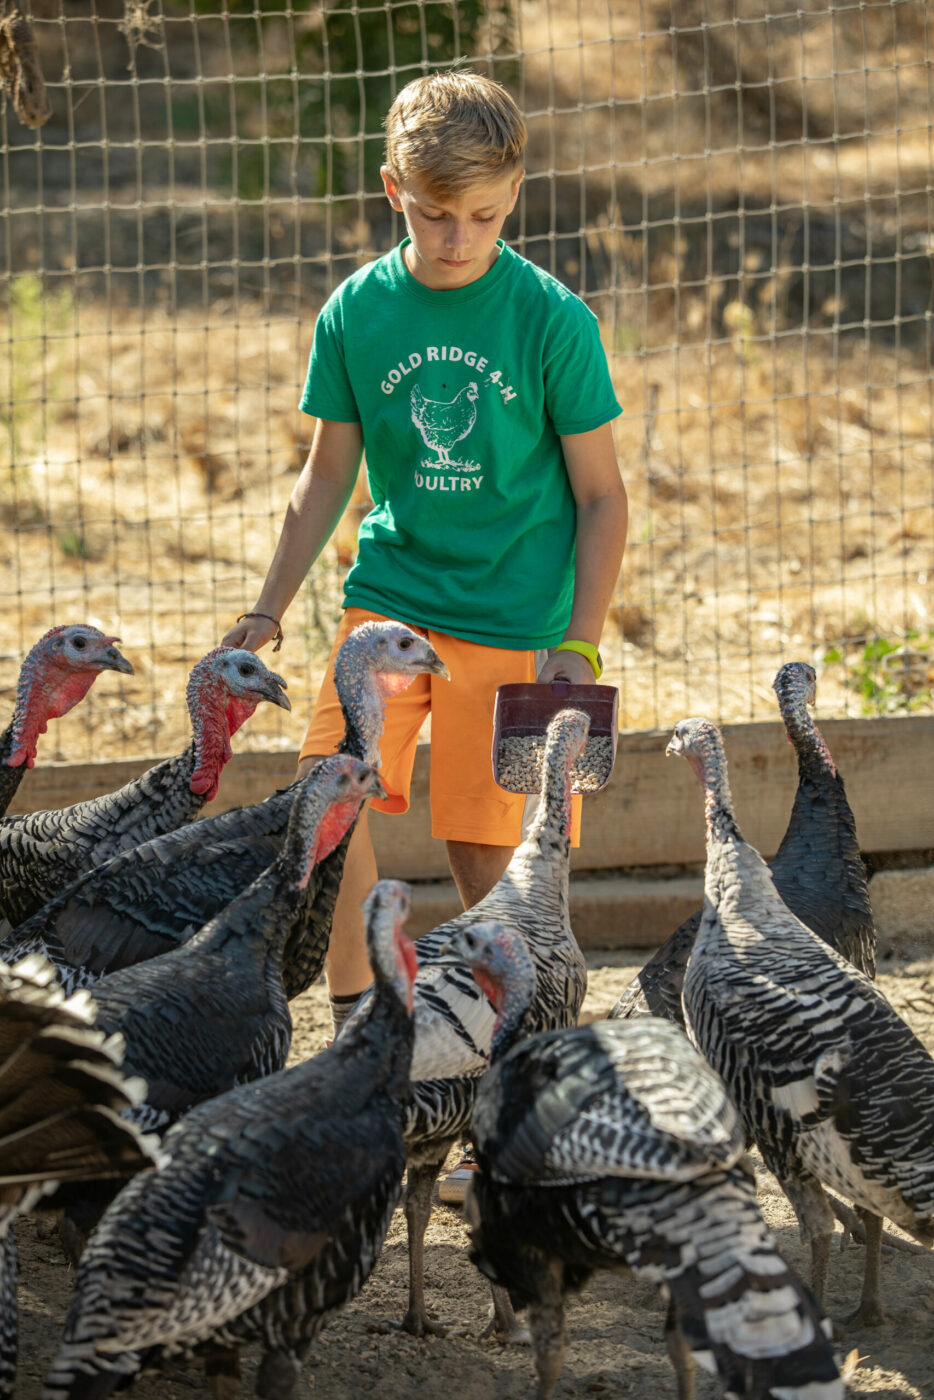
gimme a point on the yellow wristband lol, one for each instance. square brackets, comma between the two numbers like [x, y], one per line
[584, 649]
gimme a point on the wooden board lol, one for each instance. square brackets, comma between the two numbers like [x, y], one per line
[649, 815]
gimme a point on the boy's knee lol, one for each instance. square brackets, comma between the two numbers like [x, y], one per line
[476, 868]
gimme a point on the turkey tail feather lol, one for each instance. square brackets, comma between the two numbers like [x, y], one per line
[743, 1313]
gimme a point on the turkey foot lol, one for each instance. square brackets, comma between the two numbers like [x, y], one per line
[418, 1324]
[853, 1228]
[419, 1184]
[869, 1313]
[503, 1323]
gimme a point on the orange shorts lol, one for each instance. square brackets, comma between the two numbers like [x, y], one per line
[466, 804]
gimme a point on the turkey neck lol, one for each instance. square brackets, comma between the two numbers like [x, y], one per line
[363, 708]
[818, 866]
[552, 824]
[378, 1048]
[820, 798]
[362, 705]
[549, 838]
[511, 1021]
[742, 909]
[727, 852]
[40, 696]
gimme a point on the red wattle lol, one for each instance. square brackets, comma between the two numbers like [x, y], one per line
[407, 960]
[238, 711]
[204, 780]
[391, 683]
[67, 696]
[492, 990]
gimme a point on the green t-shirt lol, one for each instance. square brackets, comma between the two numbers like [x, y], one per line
[462, 395]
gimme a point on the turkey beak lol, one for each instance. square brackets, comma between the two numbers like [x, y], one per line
[674, 747]
[113, 660]
[274, 690]
[437, 667]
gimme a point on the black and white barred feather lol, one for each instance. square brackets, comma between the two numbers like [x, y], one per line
[454, 1020]
[817, 869]
[829, 1080]
[614, 1145]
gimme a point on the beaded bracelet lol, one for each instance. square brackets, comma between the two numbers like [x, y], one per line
[278, 635]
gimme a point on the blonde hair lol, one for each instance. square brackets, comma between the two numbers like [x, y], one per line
[453, 130]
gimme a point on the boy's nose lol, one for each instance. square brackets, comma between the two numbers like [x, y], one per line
[457, 236]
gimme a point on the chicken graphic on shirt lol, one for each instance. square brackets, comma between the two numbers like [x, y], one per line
[443, 424]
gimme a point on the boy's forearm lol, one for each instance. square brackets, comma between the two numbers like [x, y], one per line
[601, 539]
[316, 505]
[602, 521]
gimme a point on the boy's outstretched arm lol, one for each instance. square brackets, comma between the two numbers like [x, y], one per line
[602, 520]
[315, 507]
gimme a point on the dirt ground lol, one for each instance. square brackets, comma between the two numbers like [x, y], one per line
[616, 1346]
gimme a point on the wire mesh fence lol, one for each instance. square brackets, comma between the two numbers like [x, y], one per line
[741, 192]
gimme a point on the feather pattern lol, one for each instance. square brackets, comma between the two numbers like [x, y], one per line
[614, 1145]
[62, 1094]
[214, 1013]
[269, 1211]
[42, 852]
[454, 1020]
[830, 1082]
[151, 899]
[817, 869]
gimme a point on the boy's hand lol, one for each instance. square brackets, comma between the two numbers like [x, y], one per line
[567, 666]
[251, 633]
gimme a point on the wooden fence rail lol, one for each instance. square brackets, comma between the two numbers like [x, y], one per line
[649, 818]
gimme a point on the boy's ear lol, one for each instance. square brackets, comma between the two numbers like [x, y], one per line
[515, 190]
[391, 188]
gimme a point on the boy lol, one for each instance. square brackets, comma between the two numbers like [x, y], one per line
[479, 389]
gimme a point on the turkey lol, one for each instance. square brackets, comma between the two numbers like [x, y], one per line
[269, 1213]
[817, 869]
[830, 1082]
[150, 899]
[61, 1096]
[615, 1146]
[454, 1023]
[42, 852]
[213, 1013]
[378, 660]
[55, 675]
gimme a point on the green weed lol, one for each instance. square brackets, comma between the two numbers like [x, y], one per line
[890, 675]
[39, 321]
[74, 544]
